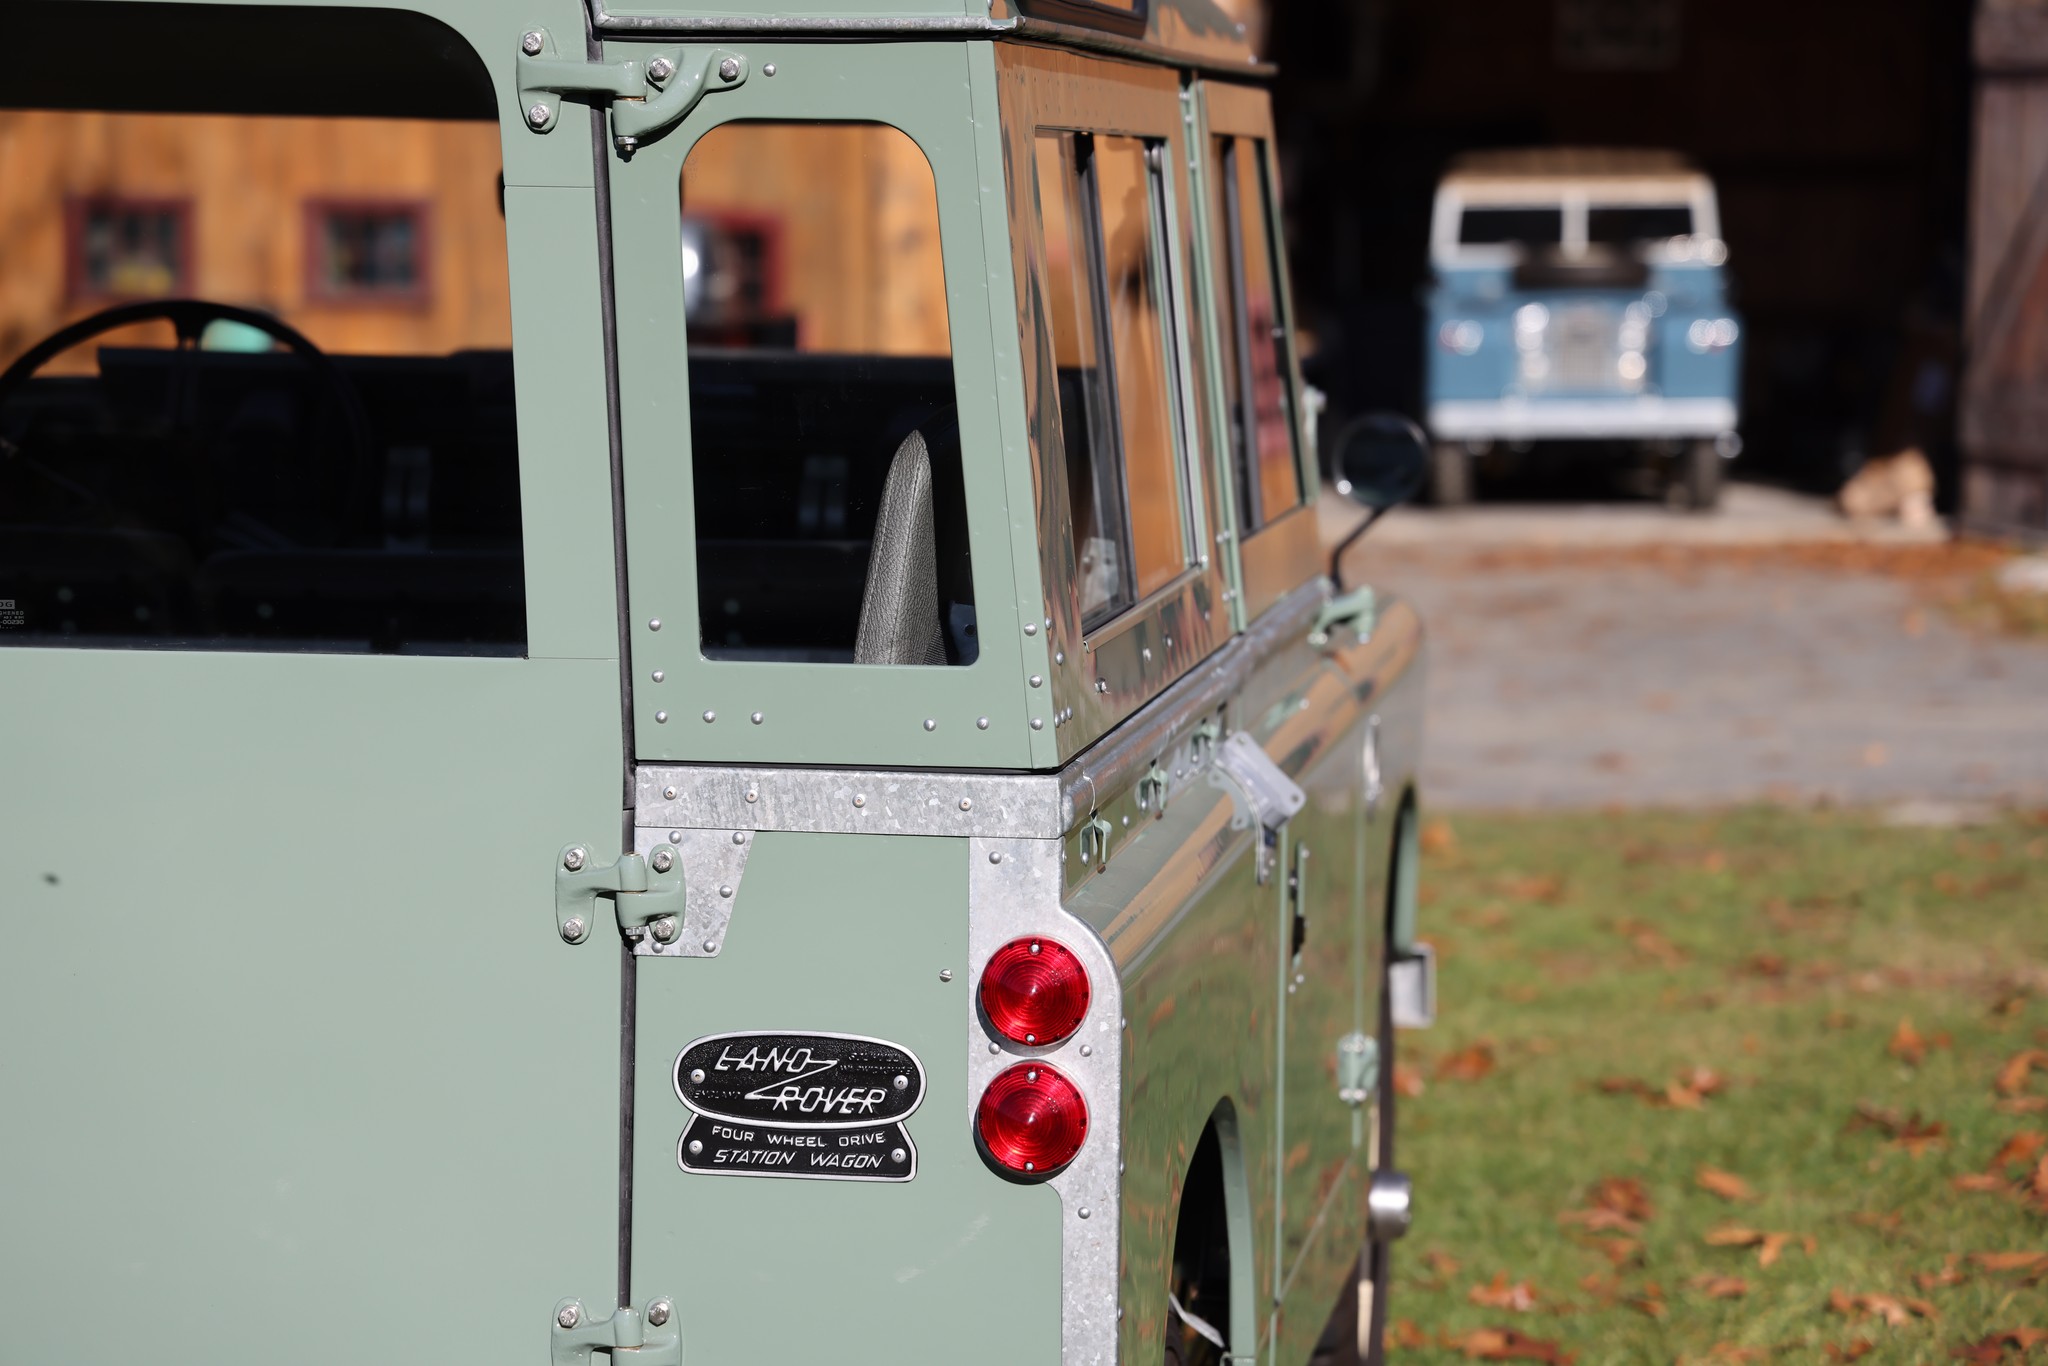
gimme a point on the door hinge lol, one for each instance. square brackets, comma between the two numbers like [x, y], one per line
[1359, 609]
[1358, 1068]
[644, 898]
[1266, 795]
[648, 97]
[630, 1337]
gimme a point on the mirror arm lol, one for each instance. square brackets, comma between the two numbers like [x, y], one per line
[1337, 556]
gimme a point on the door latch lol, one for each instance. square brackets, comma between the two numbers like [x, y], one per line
[648, 97]
[1093, 839]
[643, 897]
[1358, 1068]
[629, 1337]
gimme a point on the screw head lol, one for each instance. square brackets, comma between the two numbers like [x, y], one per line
[660, 69]
[753, 794]
[897, 1155]
[945, 974]
[668, 794]
[531, 44]
[665, 930]
[901, 1081]
[967, 803]
[573, 929]
[658, 1312]
[697, 1075]
[696, 1146]
[860, 799]
[728, 70]
[663, 860]
[573, 860]
[569, 1315]
[538, 117]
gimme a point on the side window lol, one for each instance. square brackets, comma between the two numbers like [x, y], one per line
[1102, 201]
[1265, 464]
[239, 407]
[831, 522]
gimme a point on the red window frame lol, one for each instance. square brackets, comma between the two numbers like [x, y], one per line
[78, 207]
[318, 289]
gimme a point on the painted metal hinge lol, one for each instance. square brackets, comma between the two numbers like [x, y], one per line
[647, 895]
[629, 1337]
[1264, 794]
[1358, 1068]
[1359, 609]
[648, 97]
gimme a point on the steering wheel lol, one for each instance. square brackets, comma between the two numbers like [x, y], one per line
[189, 319]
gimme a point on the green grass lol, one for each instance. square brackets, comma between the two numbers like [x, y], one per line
[1780, 949]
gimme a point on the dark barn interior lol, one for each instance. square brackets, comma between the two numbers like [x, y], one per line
[1837, 132]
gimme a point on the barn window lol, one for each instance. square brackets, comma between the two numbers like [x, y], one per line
[128, 248]
[367, 252]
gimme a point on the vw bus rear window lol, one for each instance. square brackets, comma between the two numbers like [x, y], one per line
[830, 522]
[1516, 226]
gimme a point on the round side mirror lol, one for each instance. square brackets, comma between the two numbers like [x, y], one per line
[1380, 460]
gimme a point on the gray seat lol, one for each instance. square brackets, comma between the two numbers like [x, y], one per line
[899, 610]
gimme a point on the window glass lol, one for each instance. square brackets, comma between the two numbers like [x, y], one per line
[831, 522]
[1265, 465]
[1101, 200]
[317, 454]
[1629, 224]
[1517, 226]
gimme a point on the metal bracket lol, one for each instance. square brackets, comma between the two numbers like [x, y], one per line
[1093, 837]
[641, 897]
[711, 863]
[1411, 980]
[1359, 608]
[648, 97]
[1152, 792]
[628, 1336]
[1358, 1068]
[1262, 792]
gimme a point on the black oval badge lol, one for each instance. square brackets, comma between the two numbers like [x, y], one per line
[818, 1081]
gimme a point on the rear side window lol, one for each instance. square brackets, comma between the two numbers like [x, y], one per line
[1102, 205]
[1533, 227]
[242, 405]
[1265, 466]
[1629, 224]
[831, 523]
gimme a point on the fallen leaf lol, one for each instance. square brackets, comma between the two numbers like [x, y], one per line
[2009, 1261]
[2012, 1078]
[1991, 1350]
[1979, 1181]
[1917, 1137]
[2022, 1105]
[1764, 965]
[1600, 1221]
[1895, 1310]
[1649, 1300]
[1886, 1222]
[1720, 1287]
[1467, 1064]
[1950, 1274]
[1768, 1245]
[2018, 1150]
[1441, 1262]
[1505, 1344]
[1408, 1080]
[1907, 1045]
[1622, 1194]
[1403, 1334]
[1727, 1185]
[1733, 1235]
[1620, 1252]
[1853, 1350]
[1439, 838]
[1520, 1296]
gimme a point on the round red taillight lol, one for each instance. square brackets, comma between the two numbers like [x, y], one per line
[1035, 991]
[1032, 1120]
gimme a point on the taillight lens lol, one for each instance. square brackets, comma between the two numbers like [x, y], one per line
[1035, 991]
[1032, 1120]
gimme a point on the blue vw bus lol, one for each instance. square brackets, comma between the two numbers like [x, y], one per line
[1580, 299]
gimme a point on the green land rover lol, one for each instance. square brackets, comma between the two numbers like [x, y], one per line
[670, 693]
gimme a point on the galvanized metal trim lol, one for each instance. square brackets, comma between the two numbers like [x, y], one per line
[712, 862]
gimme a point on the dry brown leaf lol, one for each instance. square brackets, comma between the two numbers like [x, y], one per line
[2021, 1105]
[1950, 1274]
[1405, 1334]
[1907, 1045]
[1980, 1181]
[1895, 1310]
[2009, 1261]
[1853, 1350]
[1720, 1287]
[2012, 1077]
[1992, 1350]
[1467, 1064]
[1441, 1262]
[1620, 1252]
[1733, 1235]
[1917, 1137]
[1727, 1185]
[2018, 1150]
[1769, 1246]
[1505, 1344]
[1408, 1080]
[1499, 1294]
[1622, 1194]
[1600, 1221]
[1439, 838]
[1887, 1222]
[1649, 1300]
[1764, 965]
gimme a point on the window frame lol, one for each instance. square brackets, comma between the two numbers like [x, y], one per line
[318, 292]
[78, 207]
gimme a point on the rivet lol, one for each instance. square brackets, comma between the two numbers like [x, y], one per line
[572, 929]
[930, 724]
[660, 69]
[1087, 1050]
[994, 1047]
[728, 70]
[1102, 685]
[1030, 628]
[995, 856]
[658, 1312]
[1059, 656]
[1037, 681]
[739, 837]
[711, 946]
[1048, 623]
[1032, 1075]
[1037, 723]
[696, 1146]
[668, 794]
[654, 624]
[538, 115]
[531, 44]
[1084, 1211]
[756, 718]
[945, 974]
[901, 1081]
[1127, 820]
[697, 1076]
[661, 718]
[663, 860]
[675, 837]
[1147, 652]
[1169, 642]
[768, 70]
[860, 799]
[753, 794]
[897, 1155]
[967, 803]
[981, 723]
[573, 860]
[665, 930]
[725, 890]
[710, 716]
[569, 1316]
[659, 675]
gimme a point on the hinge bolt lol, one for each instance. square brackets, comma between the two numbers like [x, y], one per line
[728, 70]
[658, 1312]
[538, 117]
[531, 44]
[664, 930]
[573, 860]
[660, 69]
[663, 860]
[569, 1316]
[572, 929]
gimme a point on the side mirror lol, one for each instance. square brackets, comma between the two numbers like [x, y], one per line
[1380, 461]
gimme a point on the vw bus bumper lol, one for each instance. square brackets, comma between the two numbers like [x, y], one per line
[1582, 419]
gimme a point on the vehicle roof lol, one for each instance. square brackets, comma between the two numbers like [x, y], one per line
[1627, 173]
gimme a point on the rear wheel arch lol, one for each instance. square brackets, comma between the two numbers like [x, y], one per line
[1210, 1274]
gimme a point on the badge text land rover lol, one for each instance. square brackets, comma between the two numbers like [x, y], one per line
[671, 694]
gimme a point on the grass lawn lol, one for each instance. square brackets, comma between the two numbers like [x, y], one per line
[1666, 1039]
